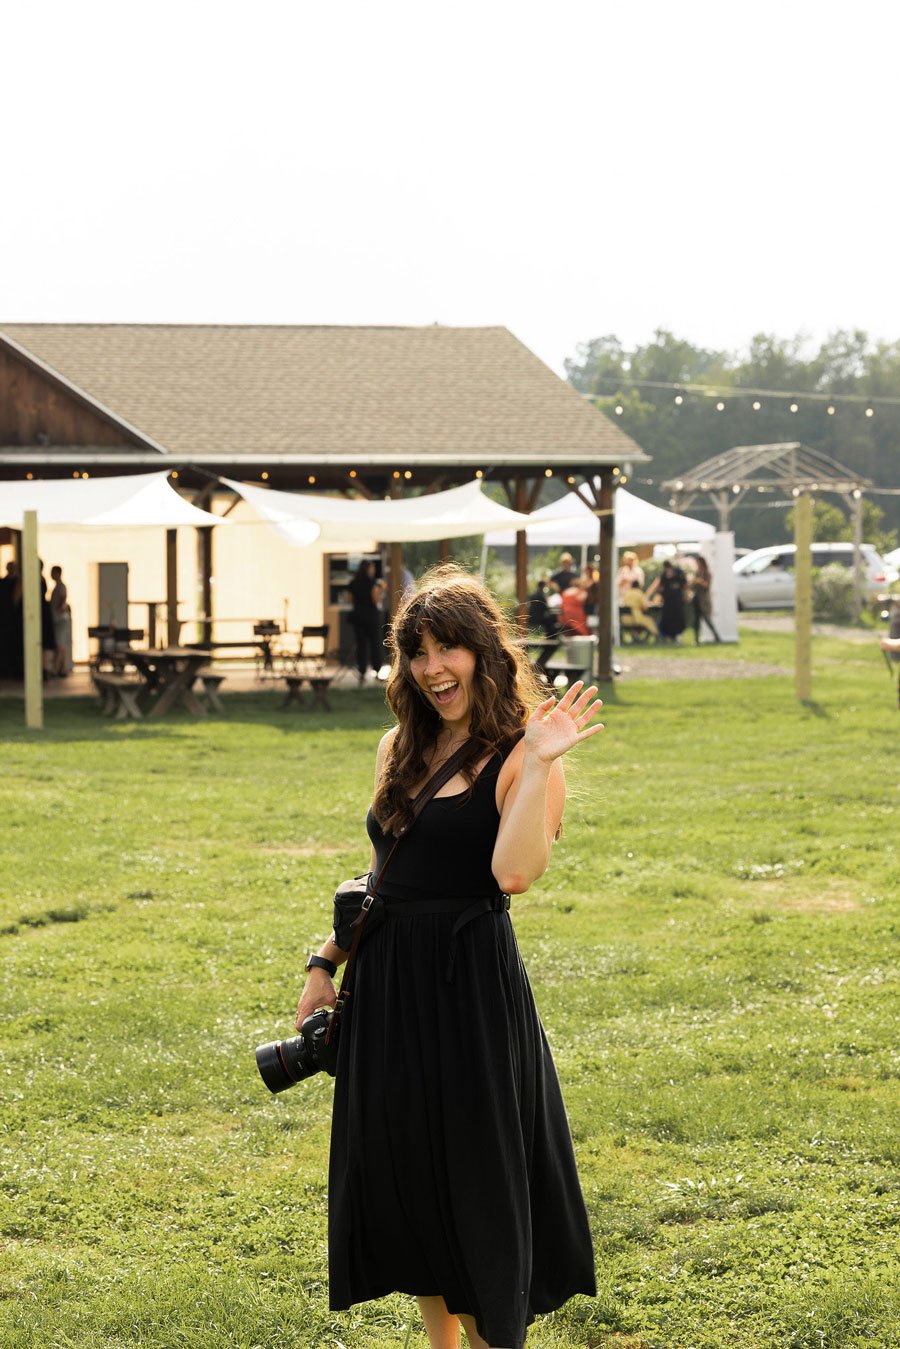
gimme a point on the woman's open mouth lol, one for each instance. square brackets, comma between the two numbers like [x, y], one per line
[445, 693]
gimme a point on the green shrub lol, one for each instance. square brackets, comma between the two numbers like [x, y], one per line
[833, 593]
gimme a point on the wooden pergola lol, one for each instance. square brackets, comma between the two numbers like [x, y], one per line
[785, 471]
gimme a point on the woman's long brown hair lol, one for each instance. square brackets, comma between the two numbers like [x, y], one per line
[456, 609]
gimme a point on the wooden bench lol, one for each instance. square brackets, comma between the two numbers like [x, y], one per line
[119, 694]
[210, 685]
[319, 682]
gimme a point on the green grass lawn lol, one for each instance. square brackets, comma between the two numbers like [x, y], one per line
[713, 952]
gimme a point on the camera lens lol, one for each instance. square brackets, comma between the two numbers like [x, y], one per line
[281, 1063]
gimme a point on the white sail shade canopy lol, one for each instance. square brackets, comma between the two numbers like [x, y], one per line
[132, 501]
[337, 523]
[569, 522]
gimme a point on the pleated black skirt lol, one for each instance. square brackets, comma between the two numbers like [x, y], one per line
[452, 1170]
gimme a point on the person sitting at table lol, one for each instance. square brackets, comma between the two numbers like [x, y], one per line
[635, 602]
[573, 620]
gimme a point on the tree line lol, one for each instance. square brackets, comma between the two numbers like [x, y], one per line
[682, 434]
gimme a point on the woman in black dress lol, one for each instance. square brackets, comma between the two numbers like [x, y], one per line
[452, 1173]
[670, 584]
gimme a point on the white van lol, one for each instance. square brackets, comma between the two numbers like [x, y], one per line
[765, 578]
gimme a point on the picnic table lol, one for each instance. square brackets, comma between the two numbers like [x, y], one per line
[164, 678]
[169, 674]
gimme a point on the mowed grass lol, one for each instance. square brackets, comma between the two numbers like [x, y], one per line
[713, 952]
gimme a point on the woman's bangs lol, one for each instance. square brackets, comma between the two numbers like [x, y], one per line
[443, 622]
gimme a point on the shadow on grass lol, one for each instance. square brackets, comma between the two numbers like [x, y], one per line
[68, 720]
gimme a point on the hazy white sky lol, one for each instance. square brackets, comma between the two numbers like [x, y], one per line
[564, 169]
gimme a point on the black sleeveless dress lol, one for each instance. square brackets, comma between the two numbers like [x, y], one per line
[452, 1170]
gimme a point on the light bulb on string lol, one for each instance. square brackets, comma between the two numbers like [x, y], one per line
[619, 409]
[830, 409]
[757, 405]
[720, 407]
[793, 407]
[679, 399]
[870, 412]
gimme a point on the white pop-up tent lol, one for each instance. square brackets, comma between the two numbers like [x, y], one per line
[569, 522]
[336, 523]
[133, 502]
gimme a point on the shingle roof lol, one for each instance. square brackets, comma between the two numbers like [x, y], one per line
[210, 391]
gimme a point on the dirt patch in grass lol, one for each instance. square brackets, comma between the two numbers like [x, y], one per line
[829, 896]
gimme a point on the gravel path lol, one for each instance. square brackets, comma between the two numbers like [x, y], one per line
[671, 667]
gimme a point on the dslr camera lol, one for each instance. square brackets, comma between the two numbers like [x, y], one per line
[281, 1063]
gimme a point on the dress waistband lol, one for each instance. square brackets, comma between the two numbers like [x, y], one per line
[464, 906]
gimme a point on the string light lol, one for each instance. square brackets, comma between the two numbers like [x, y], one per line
[548, 472]
[407, 473]
[619, 409]
[264, 475]
[793, 407]
[479, 473]
[830, 409]
[720, 407]
[757, 405]
[311, 479]
[396, 473]
[76, 474]
[29, 476]
[353, 473]
[679, 399]
[870, 412]
[174, 472]
[85, 475]
[736, 488]
[570, 480]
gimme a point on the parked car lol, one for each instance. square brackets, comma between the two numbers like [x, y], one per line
[764, 579]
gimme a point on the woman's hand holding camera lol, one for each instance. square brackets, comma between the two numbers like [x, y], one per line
[318, 991]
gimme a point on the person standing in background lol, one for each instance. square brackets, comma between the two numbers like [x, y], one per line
[566, 576]
[62, 624]
[670, 584]
[629, 572]
[366, 593]
[701, 598]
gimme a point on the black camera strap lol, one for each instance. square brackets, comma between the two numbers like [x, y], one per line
[447, 770]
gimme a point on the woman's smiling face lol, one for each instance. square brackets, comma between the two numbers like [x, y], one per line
[445, 674]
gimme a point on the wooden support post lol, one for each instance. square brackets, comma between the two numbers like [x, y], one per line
[803, 598]
[521, 504]
[395, 560]
[31, 616]
[606, 506]
[857, 555]
[205, 561]
[444, 550]
[172, 624]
